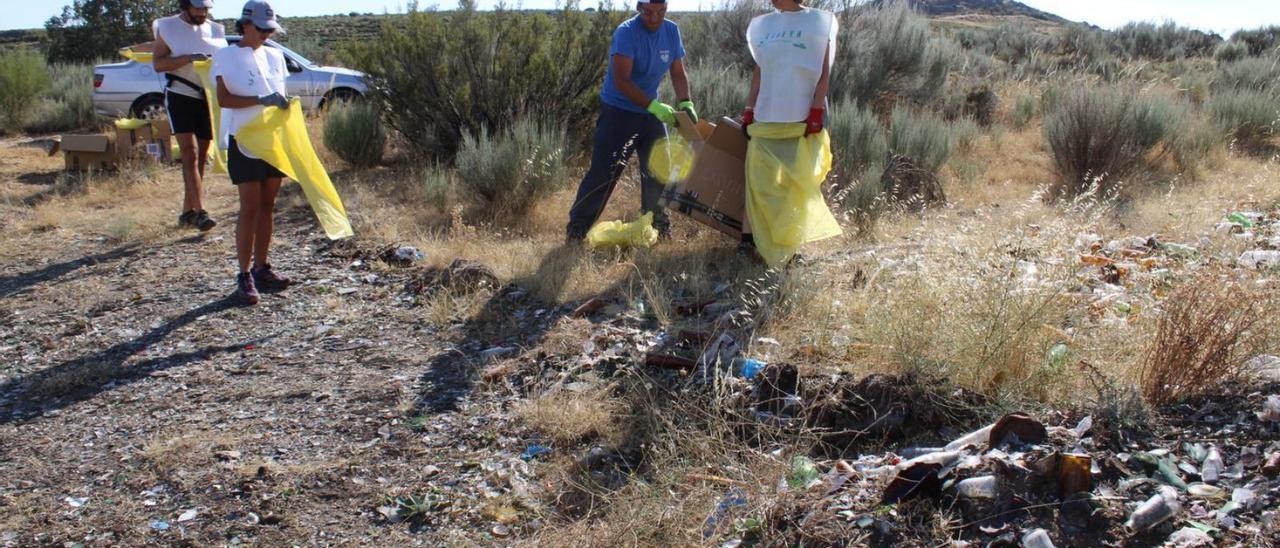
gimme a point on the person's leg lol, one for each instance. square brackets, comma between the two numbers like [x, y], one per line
[266, 220]
[614, 141]
[202, 162]
[246, 225]
[190, 177]
[651, 188]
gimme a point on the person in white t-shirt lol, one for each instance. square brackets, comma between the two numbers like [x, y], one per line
[251, 77]
[181, 40]
[793, 48]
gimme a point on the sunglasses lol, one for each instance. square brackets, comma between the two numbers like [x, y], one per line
[264, 31]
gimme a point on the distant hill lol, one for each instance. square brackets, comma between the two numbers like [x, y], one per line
[983, 7]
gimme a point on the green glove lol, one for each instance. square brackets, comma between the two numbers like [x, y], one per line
[687, 106]
[663, 111]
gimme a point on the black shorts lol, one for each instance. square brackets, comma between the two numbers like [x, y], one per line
[243, 169]
[188, 115]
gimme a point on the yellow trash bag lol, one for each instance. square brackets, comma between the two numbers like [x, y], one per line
[279, 137]
[638, 233]
[785, 171]
[211, 98]
[130, 123]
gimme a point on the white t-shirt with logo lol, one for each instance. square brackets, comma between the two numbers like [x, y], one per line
[789, 46]
[183, 38]
[247, 72]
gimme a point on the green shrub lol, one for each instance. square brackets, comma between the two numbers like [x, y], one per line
[94, 29]
[1165, 42]
[887, 49]
[507, 172]
[354, 132]
[436, 184]
[1258, 40]
[858, 142]
[1099, 135]
[922, 136]
[440, 75]
[717, 91]
[719, 37]
[964, 133]
[1230, 52]
[1196, 143]
[1254, 74]
[23, 78]
[1024, 110]
[68, 104]
[1248, 116]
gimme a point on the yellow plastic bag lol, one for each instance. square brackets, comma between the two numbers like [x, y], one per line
[785, 171]
[130, 123]
[638, 233]
[279, 137]
[211, 97]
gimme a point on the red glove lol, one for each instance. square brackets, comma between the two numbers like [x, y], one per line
[748, 118]
[814, 123]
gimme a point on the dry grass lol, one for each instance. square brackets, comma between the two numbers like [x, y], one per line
[1209, 329]
[568, 417]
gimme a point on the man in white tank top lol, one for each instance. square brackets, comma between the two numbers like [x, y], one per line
[181, 40]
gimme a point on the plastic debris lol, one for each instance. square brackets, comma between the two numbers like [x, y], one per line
[1189, 537]
[982, 487]
[1156, 510]
[1037, 538]
[733, 499]
[804, 473]
[748, 368]
[1206, 491]
[1270, 410]
[1017, 428]
[159, 525]
[1260, 258]
[1211, 469]
[534, 451]
[916, 480]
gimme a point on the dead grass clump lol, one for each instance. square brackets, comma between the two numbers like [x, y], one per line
[568, 417]
[1210, 328]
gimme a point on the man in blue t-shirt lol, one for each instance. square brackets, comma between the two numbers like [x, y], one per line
[645, 48]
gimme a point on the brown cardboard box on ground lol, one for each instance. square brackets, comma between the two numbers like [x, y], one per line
[149, 141]
[714, 193]
[88, 152]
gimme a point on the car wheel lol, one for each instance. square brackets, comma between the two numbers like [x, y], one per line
[340, 95]
[149, 107]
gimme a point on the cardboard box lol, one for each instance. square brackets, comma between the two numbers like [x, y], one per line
[88, 152]
[151, 141]
[714, 194]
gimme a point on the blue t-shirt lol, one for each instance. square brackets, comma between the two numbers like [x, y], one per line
[651, 53]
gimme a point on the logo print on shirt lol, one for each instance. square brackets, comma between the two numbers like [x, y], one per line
[665, 55]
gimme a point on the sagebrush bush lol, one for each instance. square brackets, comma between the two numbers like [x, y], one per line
[437, 183]
[1165, 42]
[68, 104]
[1254, 74]
[964, 133]
[858, 141]
[354, 132]
[508, 171]
[1248, 116]
[1099, 135]
[887, 50]
[1024, 110]
[922, 136]
[23, 78]
[717, 90]
[1258, 40]
[440, 75]
[1230, 52]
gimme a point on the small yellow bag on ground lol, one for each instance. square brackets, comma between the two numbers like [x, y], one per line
[638, 233]
[131, 123]
[785, 172]
[279, 137]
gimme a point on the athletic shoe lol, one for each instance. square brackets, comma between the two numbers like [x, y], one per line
[202, 221]
[245, 290]
[268, 279]
[188, 218]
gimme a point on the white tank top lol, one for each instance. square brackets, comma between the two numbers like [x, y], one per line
[789, 47]
[183, 38]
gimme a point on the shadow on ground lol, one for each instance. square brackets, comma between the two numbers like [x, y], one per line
[10, 285]
[25, 398]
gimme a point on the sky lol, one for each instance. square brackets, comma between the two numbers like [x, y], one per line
[1222, 16]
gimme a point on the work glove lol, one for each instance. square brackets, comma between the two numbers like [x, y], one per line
[687, 106]
[748, 118]
[198, 57]
[663, 111]
[814, 123]
[274, 100]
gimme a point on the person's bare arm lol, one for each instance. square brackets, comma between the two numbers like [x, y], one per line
[755, 88]
[680, 80]
[622, 80]
[820, 93]
[228, 100]
[163, 59]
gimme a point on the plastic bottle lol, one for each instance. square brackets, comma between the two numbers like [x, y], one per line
[747, 368]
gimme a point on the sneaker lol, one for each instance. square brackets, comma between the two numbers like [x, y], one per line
[245, 290]
[268, 279]
[202, 221]
[187, 218]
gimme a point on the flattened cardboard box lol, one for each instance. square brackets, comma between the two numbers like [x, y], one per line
[88, 152]
[714, 193]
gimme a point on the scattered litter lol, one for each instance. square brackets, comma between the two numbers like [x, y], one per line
[1260, 258]
[1270, 410]
[188, 515]
[1156, 510]
[804, 473]
[733, 499]
[159, 525]
[346, 290]
[1189, 537]
[76, 502]
[534, 451]
[1037, 538]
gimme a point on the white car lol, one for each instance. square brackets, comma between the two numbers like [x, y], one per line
[136, 89]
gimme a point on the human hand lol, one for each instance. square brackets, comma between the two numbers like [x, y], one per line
[663, 111]
[814, 123]
[748, 118]
[274, 100]
[196, 57]
[687, 106]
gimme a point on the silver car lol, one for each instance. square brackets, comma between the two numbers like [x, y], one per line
[136, 89]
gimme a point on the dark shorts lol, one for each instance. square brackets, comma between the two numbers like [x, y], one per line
[243, 169]
[188, 115]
